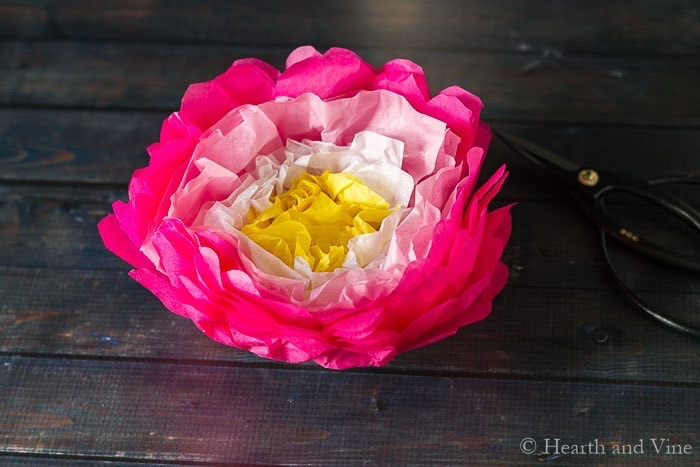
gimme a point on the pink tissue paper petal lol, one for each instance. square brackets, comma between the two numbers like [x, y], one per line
[440, 268]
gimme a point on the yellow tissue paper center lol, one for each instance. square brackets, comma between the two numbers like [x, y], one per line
[316, 218]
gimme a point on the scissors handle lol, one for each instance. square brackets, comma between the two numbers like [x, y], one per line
[663, 318]
[612, 183]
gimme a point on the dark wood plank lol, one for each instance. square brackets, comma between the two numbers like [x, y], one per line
[215, 414]
[532, 331]
[25, 19]
[75, 146]
[571, 89]
[598, 26]
[107, 146]
[56, 228]
[77, 461]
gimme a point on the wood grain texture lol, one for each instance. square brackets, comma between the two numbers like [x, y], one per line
[41, 145]
[76, 461]
[649, 27]
[95, 371]
[255, 415]
[66, 294]
[105, 147]
[610, 90]
[56, 228]
[533, 331]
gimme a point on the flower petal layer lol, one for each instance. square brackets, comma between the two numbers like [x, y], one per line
[423, 271]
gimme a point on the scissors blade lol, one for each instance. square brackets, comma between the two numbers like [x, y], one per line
[536, 153]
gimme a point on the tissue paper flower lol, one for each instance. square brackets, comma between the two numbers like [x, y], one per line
[327, 212]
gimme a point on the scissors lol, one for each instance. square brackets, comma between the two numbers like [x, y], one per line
[590, 187]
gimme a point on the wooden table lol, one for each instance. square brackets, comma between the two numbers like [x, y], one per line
[94, 370]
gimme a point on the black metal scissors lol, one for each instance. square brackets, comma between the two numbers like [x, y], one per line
[590, 187]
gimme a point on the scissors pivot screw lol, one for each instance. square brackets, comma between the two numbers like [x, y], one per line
[626, 233]
[588, 177]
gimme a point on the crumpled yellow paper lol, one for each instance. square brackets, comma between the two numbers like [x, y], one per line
[316, 218]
